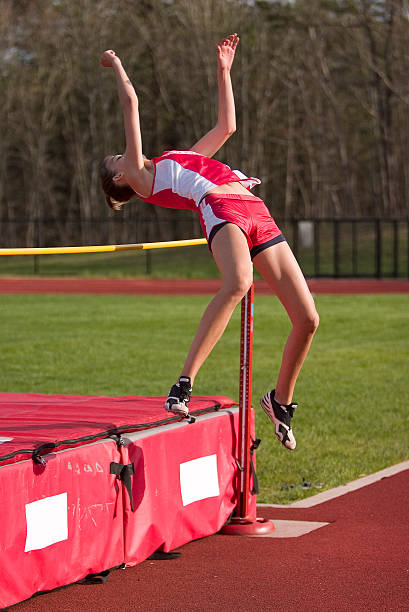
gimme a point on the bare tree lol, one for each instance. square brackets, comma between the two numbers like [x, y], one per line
[321, 94]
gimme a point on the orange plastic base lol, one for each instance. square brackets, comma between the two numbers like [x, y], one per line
[248, 526]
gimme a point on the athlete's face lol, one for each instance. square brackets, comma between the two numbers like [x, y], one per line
[115, 164]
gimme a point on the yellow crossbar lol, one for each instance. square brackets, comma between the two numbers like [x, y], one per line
[107, 248]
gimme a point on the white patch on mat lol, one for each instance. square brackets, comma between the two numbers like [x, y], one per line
[47, 522]
[199, 479]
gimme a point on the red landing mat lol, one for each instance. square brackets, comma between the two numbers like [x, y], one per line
[32, 423]
[90, 483]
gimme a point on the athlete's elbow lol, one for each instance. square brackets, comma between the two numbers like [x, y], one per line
[226, 128]
[230, 129]
[129, 101]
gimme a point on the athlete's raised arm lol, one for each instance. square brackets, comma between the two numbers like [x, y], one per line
[211, 142]
[134, 171]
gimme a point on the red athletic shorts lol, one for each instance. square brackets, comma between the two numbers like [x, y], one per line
[248, 212]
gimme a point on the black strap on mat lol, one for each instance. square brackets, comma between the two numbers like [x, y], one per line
[255, 444]
[160, 555]
[99, 578]
[124, 473]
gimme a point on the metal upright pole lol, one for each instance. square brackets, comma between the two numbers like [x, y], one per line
[242, 523]
[246, 362]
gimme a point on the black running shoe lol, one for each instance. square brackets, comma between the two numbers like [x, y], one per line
[281, 417]
[179, 397]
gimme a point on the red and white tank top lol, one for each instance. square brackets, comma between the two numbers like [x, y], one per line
[182, 178]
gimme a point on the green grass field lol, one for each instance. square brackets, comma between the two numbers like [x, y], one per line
[353, 394]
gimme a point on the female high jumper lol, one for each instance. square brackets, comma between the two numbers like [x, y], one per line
[237, 225]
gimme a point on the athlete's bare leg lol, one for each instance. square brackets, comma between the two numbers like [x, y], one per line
[231, 254]
[280, 269]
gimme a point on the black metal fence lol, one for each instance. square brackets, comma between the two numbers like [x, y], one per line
[351, 247]
[327, 247]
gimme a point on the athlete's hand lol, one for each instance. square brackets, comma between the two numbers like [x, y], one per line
[107, 58]
[226, 50]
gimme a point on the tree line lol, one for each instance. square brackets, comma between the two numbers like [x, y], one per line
[321, 90]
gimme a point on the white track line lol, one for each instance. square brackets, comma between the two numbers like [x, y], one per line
[325, 496]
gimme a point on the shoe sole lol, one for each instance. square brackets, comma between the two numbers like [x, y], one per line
[174, 409]
[265, 403]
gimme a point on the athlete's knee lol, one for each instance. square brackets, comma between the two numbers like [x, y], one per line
[237, 287]
[308, 322]
[315, 321]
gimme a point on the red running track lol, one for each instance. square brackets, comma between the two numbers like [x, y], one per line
[359, 562]
[186, 287]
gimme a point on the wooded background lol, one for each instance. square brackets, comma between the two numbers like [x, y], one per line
[321, 90]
